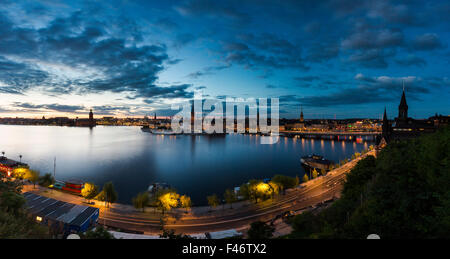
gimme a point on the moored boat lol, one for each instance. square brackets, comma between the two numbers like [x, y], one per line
[316, 162]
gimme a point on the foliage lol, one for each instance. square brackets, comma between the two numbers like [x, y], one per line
[305, 178]
[89, 191]
[185, 202]
[260, 230]
[403, 193]
[20, 172]
[14, 222]
[32, 176]
[286, 182]
[166, 199]
[141, 201]
[46, 180]
[230, 197]
[315, 173]
[108, 194]
[213, 201]
[98, 233]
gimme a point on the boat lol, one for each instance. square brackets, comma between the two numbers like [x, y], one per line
[316, 162]
[146, 128]
[155, 187]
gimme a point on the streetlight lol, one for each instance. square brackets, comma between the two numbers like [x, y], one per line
[20, 158]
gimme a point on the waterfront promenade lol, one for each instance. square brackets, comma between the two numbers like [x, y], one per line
[203, 219]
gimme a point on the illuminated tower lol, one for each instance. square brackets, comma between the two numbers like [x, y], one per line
[301, 115]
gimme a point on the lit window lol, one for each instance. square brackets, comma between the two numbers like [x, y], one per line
[38, 218]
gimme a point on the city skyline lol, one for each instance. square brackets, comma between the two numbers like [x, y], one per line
[334, 58]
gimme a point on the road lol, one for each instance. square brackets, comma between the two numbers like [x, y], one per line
[201, 219]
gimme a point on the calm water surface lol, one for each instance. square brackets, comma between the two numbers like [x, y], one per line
[195, 165]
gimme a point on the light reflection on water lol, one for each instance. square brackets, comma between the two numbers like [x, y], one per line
[132, 159]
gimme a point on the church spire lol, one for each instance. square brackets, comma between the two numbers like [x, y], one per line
[385, 127]
[301, 114]
[403, 107]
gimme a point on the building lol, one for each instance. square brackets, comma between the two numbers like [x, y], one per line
[61, 217]
[8, 165]
[297, 124]
[405, 127]
[86, 122]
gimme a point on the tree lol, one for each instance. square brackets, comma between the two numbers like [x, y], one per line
[213, 201]
[98, 233]
[108, 194]
[314, 173]
[12, 202]
[305, 178]
[285, 182]
[32, 176]
[89, 191]
[230, 197]
[20, 172]
[185, 202]
[167, 199]
[46, 180]
[323, 172]
[15, 223]
[260, 230]
[141, 201]
[402, 193]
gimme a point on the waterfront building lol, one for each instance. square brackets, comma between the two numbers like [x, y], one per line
[8, 165]
[61, 217]
[86, 122]
[405, 127]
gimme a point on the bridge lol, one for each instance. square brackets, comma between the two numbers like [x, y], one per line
[336, 135]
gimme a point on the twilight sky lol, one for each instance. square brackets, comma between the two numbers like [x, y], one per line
[134, 57]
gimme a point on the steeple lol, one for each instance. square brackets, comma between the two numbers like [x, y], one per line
[385, 127]
[403, 107]
[301, 114]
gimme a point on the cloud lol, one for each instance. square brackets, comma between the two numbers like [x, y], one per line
[166, 24]
[379, 89]
[213, 10]
[16, 78]
[369, 39]
[207, 71]
[263, 51]
[427, 41]
[52, 107]
[372, 58]
[307, 78]
[80, 54]
[412, 60]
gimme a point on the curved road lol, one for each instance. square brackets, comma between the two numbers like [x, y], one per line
[201, 220]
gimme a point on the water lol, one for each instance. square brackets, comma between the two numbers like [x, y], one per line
[195, 165]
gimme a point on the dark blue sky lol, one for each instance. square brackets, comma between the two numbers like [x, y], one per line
[131, 58]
